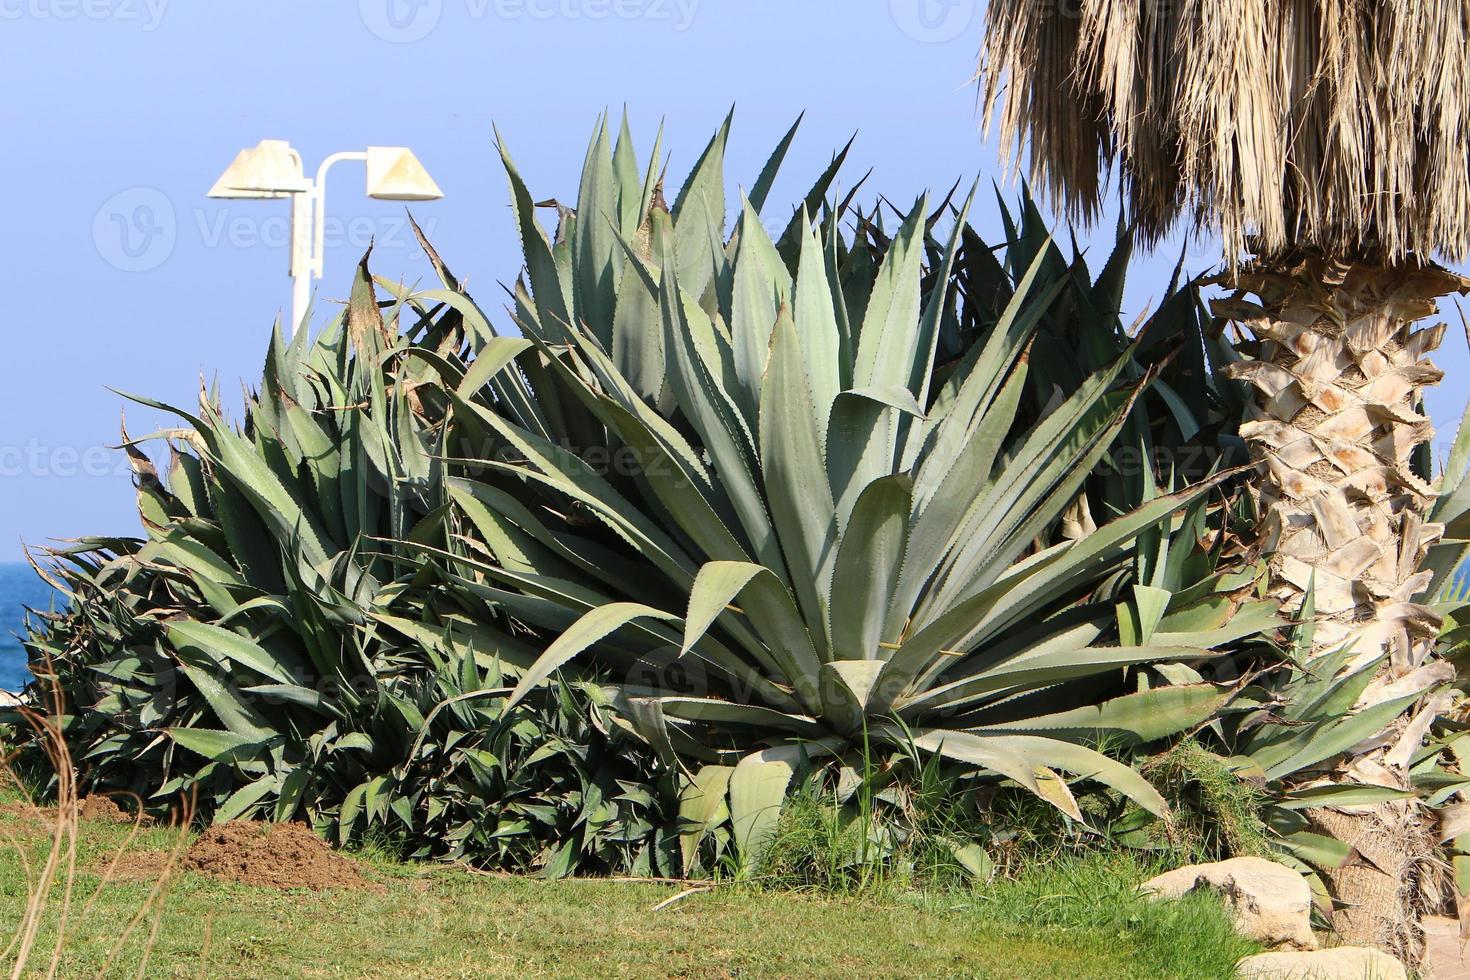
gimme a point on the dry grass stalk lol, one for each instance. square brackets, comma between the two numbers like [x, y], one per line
[59, 869]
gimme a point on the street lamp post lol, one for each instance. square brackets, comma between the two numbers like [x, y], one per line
[273, 169]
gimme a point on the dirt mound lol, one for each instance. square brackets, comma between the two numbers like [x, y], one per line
[22, 811]
[281, 855]
[102, 808]
[93, 807]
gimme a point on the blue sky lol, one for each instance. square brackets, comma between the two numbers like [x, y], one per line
[121, 113]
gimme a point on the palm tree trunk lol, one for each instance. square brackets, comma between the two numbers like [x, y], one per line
[1340, 369]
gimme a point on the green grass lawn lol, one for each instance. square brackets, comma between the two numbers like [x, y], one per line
[1074, 918]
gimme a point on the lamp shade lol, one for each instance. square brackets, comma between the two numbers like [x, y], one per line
[395, 174]
[269, 169]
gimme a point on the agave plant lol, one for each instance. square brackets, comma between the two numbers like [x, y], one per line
[838, 535]
[1441, 770]
[1289, 732]
[265, 652]
[760, 499]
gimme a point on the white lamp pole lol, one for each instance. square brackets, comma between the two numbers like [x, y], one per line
[273, 169]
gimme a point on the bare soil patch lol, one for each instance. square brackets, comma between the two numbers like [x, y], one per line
[256, 853]
[281, 855]
[103, 808]
[94, 807]
[264, 855]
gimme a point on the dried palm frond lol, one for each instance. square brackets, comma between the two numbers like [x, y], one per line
[1334, 124]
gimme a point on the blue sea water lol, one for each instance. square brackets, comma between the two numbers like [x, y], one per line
[20, 587]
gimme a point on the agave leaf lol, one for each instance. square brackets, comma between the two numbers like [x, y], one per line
[647, 718]
[596, 268]
[352, 806]
[888, 344]
[497, 354]
[546, 285]
[718, 422]
[219, 645]
[1247, 620]
[1320, 851]
[974, 859]
[702, 807]
[890, 396]
[1340, 736]
[629, 183]
[791, 650]
[1128, 720]
[1053, 789]
[772, 167]
[584, 633]
[1340, 795]
[237, 714]
[868, 561]
[794, 478]
[845, 702]
[731, 713]
[220, 746]
[1148, 607]
[816, 327]
[245, 799]
[1031, 669]
[288, 801]
[988, 753]
[1086, 763]
[699, 214]
[762, 286]
[859, 444]
[293, 693]
[637, 351]
[757, 790]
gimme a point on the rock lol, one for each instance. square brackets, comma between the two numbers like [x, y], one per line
[1270, 903]
[1445, 957]
[1342, 963]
